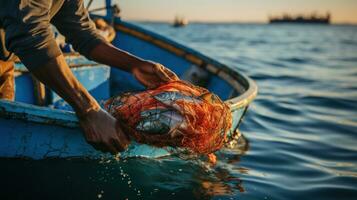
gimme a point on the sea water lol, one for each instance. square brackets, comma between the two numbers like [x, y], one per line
[301, 131]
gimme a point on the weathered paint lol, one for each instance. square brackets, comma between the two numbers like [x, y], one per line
[45, 139]
[24, 89]
[38, 132]
[36, 114]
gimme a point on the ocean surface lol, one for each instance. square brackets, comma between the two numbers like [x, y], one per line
[301, 131]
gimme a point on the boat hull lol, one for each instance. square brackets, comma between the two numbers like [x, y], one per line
[29, 131]
[35, 132]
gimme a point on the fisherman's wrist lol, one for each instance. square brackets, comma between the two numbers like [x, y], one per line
[139, 64]
[85, 106]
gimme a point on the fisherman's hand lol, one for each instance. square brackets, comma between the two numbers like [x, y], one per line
[152, 74]
[103, 131]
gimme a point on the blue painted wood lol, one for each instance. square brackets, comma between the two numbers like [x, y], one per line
[72, 60]
[108, 3]
[166, 40]
[144, 50]
[24, 89]
[220, 87]
[41, 132]
[36, 114]
[40, 141]
[94, 78]
[236, 119]
[148, 51]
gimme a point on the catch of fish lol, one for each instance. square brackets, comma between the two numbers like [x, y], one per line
[176, 114]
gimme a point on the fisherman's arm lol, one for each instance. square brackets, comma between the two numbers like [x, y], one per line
[74, 23]
[101, 129]
[148, 73]
[30, 37]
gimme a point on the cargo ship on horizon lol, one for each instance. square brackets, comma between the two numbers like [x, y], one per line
[300, 19]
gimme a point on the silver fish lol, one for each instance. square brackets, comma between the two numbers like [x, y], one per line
[159, 121]
[154, 127]
[151, 112]
[170, 97]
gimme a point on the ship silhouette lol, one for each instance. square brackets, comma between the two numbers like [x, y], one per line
[180, 22]
[300, 19]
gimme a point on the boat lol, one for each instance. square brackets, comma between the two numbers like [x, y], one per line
[40, 125]
[312, 19]
[180, 22]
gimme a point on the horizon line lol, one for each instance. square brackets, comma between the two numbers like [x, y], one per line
[224, 22]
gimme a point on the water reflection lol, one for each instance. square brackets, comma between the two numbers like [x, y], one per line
[221, 181]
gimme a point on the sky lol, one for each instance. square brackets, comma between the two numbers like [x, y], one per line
[343, 11]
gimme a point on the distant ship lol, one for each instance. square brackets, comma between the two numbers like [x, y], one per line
[179, 22]
[300, 19]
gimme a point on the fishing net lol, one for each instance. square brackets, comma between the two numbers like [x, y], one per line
[176, 114]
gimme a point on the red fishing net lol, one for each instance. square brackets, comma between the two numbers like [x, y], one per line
[176, 114]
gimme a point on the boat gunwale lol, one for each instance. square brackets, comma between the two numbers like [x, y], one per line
[37, 114]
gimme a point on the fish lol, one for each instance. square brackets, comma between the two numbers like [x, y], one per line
[151, 112]
[169, 97]
[153, 127]
[159, 121]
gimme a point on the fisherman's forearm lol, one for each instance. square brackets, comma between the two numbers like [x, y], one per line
[56, 75]
[110, 55]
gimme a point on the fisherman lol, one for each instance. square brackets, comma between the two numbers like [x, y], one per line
[26, 33]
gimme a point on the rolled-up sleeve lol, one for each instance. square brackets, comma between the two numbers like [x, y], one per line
[29, 34]
[73, 21]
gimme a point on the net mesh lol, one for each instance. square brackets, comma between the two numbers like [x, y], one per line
[176, 114]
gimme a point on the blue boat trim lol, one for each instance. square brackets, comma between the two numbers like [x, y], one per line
[38, 114]
[73, 60]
